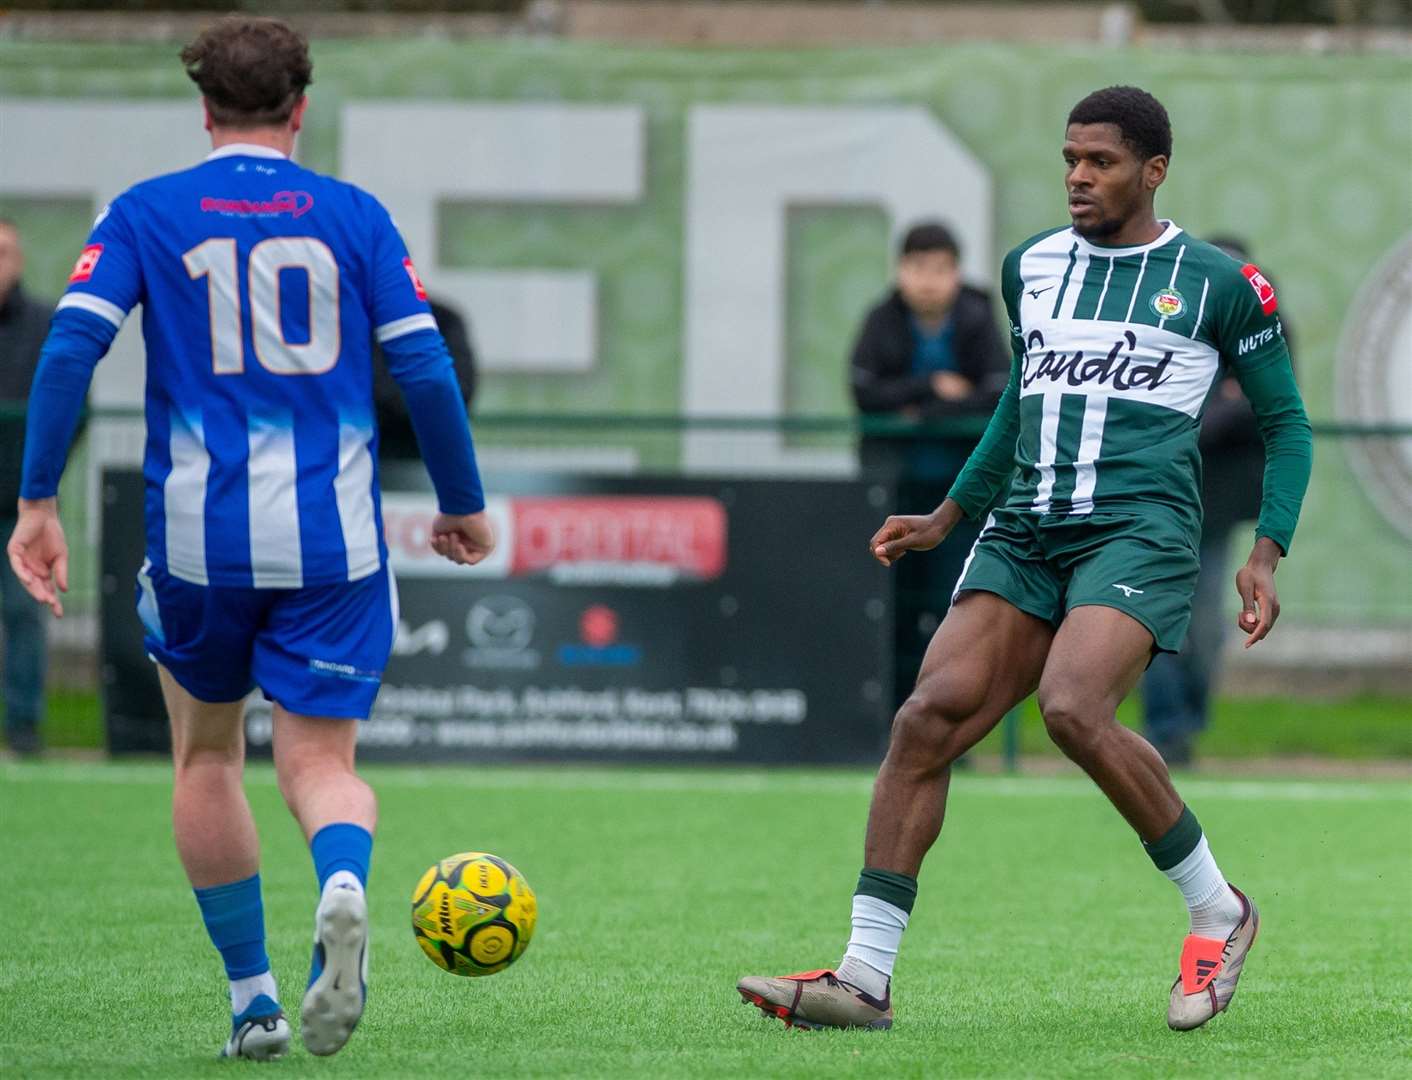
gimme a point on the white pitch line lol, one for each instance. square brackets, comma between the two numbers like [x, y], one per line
[693, 781]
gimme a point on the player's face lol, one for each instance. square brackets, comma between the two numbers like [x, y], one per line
[12, 260]
[929, 282]
[1107, 183]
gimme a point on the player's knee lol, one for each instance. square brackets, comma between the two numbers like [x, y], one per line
[1072, 725]
[208, 754]
[925, 732]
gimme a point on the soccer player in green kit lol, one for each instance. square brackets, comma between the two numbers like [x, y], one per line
[1088, 480]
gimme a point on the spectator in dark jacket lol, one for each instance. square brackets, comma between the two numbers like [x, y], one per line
[930, 350]
[24, 321]
[396, 439]
[1176, 690]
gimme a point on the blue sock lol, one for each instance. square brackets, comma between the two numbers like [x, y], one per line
[342, 846]
[235, 918]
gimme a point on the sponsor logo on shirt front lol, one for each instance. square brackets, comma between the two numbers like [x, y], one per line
[1114, 368]
[294, 203]
[1263, 289]
[1168, 303]
[87, 262]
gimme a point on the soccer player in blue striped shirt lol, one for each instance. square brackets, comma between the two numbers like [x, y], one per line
[262, 285]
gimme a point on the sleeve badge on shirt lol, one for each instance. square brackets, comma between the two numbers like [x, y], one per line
[1263, 289]
[421, 289]
[87, 262]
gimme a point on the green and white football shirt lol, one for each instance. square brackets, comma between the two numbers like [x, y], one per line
[1115, 352]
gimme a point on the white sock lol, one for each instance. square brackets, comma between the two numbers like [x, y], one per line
[1215, 910]
[244, 991]
[341, 879]
[872, 950]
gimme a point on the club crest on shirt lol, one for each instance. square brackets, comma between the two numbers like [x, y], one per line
[1168, 303]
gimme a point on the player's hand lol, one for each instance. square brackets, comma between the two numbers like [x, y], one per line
[1255, 581]
[39, 554]
[920, 532]
[465, 539]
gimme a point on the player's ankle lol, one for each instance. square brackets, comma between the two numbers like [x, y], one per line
[341, 879]
[856, 971]
[1218, 916]
[246, 990]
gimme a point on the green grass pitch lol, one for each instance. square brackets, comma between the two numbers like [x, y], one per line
[1043, 942]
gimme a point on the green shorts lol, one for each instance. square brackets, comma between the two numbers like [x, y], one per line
[1144, 566]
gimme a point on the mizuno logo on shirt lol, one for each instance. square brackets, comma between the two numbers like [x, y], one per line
[1036, 292]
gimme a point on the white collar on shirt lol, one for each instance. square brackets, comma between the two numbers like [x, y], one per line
[244, 150]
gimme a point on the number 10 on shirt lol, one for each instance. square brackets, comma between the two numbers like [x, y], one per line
[217, 261]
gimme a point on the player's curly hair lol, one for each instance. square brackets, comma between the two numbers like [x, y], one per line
[1139, 117]
[251, 70]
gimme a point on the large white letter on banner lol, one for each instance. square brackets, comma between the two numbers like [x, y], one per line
[93, 150]
[748, 165]
[413, 155]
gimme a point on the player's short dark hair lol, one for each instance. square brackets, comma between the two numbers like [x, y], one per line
[930, 236]
[252, 70]
[1139, 117]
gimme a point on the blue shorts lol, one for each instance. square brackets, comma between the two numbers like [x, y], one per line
[317, 651]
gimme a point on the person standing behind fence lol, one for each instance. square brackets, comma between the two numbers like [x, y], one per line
[1176, 690]
[24, 320]
[929, 351]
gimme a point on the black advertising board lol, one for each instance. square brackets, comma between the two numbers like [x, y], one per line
[620, 619]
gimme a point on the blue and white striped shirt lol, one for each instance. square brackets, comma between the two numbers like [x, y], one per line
[262, 285]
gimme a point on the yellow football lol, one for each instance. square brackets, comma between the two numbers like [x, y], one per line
[473, 914]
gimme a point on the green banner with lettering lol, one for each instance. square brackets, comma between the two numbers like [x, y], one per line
[667, 230]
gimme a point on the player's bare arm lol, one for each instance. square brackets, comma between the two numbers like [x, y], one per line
[39, 553]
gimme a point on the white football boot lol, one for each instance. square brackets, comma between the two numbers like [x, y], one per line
[260, 1033]
[338, 977]
[1210, 970]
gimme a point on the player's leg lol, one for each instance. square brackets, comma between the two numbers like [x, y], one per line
[314, 762]
[320, 658]
[1097, 657]
[216, 840]
[985, 658]
[200, 638]
[337, 812]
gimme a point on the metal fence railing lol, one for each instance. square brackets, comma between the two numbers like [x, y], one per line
[1351, 555]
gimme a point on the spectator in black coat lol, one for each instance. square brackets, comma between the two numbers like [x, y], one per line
[928, 351]
[396, 439]
[24, 321]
